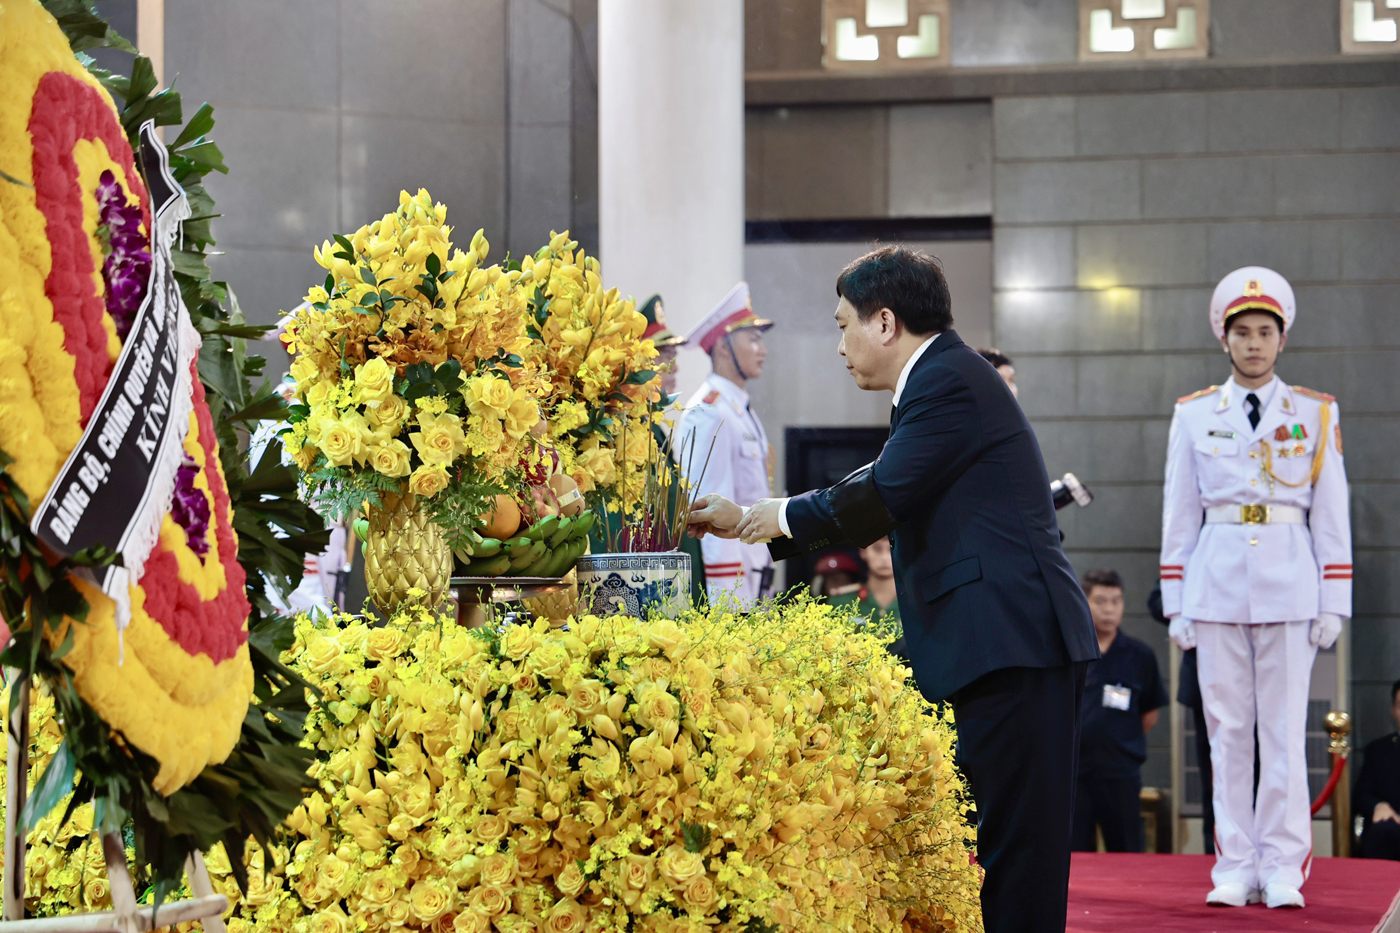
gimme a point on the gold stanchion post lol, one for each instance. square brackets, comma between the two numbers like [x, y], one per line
[1339, 727]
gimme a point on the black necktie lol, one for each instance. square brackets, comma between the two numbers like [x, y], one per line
[1253, 401]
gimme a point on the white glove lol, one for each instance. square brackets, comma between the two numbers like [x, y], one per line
[1183, 632]
[1325, 629]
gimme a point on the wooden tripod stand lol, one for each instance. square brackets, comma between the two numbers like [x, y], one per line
[126, 916]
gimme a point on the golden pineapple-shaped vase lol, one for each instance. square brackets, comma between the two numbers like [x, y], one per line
[556, 607]
[405, 551]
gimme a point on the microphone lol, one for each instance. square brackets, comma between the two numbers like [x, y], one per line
[1069, 489]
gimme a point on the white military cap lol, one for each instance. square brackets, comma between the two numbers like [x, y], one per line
[1252, 288]
[735, 312]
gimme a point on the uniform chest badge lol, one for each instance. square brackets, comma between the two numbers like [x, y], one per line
[1285, 433]
[711, 397]
[1222, 433]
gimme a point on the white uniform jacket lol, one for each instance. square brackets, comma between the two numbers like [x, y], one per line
[738, 470]
[1273, 572]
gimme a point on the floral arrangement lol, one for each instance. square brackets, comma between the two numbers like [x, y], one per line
[421, 370]
[152, 719]
[623, 775]
[619, 775]
[600, 402]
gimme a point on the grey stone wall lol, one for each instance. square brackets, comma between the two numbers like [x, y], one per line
[326, 108]
[1115, 215]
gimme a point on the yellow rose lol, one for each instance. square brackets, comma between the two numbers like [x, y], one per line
[489, 900]
[378, 888]
[398, 912]
[664, 634]
[570, 879]
[598, 464]
[330, 920]
[487, 436]
[587, 697]
[549, 661]
[489, 395]
[679, 866]
[391, 458]
[95, 892]
[321, 654]
[637, 871]
[429, 899]
[518, 641]
[339, 442]
[440, 438]
[700, 893]
[317, 393]
[305, 371]
[656, 705]
[491, 828]
[390, 415]
[522, 415]
[333, 871]
[566, 916]
[428, 480]
[374, 382]
[497, 869]
[471, 921]
[384, 643]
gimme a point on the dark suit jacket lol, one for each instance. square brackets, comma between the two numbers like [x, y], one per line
[1379, 779]
[983, 581]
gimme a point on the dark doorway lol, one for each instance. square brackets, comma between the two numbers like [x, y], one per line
[820, 457]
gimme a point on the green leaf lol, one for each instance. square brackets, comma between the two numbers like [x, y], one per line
[205, 156]
[433, 264]
[199, 124]
[640, 378]
[696, 837]
[53, 785]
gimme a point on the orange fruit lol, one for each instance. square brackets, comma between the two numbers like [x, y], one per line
[504, 518]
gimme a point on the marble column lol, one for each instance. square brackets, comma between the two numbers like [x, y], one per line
[671, 155]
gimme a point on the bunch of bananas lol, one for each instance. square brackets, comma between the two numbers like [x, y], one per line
[548, 548]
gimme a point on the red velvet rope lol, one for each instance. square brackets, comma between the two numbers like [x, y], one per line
[1332, 780]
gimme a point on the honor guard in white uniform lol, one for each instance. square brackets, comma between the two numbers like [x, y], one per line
[740, 466]
[1256, 575]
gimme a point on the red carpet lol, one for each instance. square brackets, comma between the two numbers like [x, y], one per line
[1111, 893]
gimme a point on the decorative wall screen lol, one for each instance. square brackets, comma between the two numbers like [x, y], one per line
[1137, 29]
[879, 34]
[1370, 26]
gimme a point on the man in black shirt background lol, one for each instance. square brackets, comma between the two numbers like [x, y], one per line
[1377, 793]
[1122, 695]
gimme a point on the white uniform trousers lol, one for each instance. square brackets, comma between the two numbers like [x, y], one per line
[1258, 674]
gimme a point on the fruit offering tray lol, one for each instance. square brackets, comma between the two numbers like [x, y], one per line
[546, 549]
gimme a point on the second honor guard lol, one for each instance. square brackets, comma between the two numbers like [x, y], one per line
[1256, 575]
[740, 466]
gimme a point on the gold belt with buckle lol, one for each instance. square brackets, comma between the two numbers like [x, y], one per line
[1256, 514]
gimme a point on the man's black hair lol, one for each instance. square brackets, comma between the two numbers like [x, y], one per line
[908, 282]
[1095, 578]
[1394, 689]
[995, 357]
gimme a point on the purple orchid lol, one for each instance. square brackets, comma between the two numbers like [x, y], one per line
[190, 508]
[127, 268]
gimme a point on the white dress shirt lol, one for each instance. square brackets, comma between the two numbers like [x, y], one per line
[898, 391]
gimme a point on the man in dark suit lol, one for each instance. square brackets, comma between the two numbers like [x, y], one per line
[994, 618]
[1377, 793]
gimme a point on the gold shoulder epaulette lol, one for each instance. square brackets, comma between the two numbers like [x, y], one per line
[1313, 393]
[1201, 394]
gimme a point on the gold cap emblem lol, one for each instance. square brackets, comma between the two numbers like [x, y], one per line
[1252, 289]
